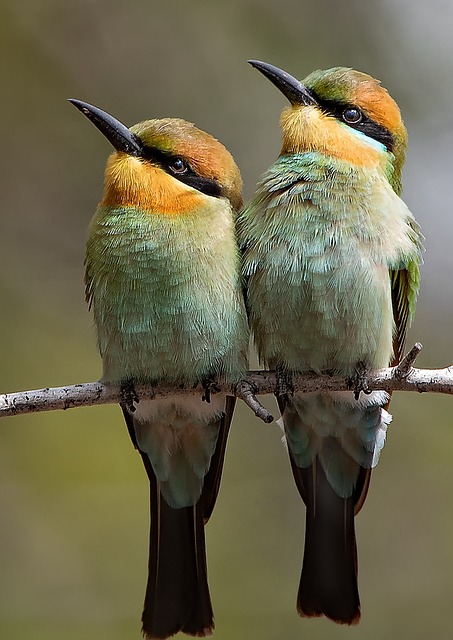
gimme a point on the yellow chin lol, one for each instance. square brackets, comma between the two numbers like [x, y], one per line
[306, 128]
[132, 182]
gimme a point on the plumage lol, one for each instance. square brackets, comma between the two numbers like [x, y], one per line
[163, 282]
[331, 259]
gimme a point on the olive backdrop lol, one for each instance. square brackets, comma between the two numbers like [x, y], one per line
[73, 494]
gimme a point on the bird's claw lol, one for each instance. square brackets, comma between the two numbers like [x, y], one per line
[209, 387]
[359, 381]
[283, 382]
[129, 396]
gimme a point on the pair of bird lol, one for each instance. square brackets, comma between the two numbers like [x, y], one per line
[328, 256]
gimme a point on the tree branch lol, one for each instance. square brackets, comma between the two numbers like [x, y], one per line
[403, 377]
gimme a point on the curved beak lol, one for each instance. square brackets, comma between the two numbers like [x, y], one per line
[115, 132]
[296, 92]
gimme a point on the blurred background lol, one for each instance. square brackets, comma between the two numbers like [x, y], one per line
[73, 494]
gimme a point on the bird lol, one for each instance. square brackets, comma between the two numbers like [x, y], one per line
[331, 265]
[163, 282]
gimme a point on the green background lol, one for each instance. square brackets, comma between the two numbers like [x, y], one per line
[73, 494]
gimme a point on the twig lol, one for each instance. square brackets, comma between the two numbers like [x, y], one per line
[246, 392]
[403, 377]
[403, 369]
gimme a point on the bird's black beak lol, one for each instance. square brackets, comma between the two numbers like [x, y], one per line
[296, 92]
[115, 132]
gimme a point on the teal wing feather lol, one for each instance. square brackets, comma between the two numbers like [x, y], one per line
[405, 284]
[88, 283]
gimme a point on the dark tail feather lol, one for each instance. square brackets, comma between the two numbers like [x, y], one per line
[177, 594]
[328, 584]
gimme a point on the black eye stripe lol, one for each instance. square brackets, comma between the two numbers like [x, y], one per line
[366, 125]
[164, 160]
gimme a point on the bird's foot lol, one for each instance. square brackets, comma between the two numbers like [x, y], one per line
[209, 387]
[359, 381]
[129, 396]
[283, 382]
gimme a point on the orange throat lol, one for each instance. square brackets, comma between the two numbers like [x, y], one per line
[131, 182]
[307, 129]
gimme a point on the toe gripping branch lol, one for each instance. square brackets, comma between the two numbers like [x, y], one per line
[401, 371]
[359, 381]
[210, 386]
[129, 396]
[246, 390]
[284, 385]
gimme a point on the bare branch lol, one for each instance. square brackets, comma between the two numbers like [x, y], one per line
[400, 378]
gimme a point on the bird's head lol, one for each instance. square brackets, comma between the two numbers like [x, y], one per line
[342, 113]
[164, 166]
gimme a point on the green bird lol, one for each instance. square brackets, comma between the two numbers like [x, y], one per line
[163, 281]
[331, 260]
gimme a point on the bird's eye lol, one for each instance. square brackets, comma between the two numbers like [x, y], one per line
[178, 165]
[351, 115]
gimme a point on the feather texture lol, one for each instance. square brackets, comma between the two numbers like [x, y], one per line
[163, 282]
[331, 259]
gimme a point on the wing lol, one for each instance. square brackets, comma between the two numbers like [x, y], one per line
[405, 284]
[212, 479]
[88, 282]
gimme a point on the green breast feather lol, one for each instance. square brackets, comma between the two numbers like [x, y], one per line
[166, 297]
